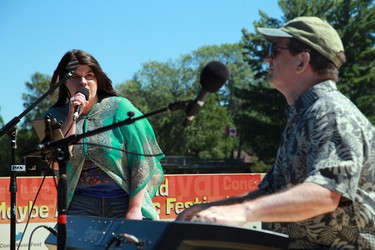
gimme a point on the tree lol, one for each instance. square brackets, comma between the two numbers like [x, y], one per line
[159, 84]
[38, 86]
[246, 101]
[354, 21]
[27, 138]
[5, 152]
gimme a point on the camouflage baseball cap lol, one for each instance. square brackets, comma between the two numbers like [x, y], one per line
[314, 32]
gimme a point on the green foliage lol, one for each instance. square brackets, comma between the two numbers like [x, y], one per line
[207, 137]
[354, 21]
[26, 137]
[245, 102]
[5, 147]
[38, 86]
[260, 167]
[4, 154]
[157, 85]
[262, 118]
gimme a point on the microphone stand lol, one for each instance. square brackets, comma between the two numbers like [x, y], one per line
[13, 188]
[10, 129]
[61, 152]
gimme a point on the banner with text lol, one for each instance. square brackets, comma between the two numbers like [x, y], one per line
[176, 193]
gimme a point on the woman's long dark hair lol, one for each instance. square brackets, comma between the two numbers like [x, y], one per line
[105, 87]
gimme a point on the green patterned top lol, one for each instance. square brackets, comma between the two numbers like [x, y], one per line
[329, 142]
[119, 152]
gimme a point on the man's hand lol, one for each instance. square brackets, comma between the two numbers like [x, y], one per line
[232, 215]
[190, 212]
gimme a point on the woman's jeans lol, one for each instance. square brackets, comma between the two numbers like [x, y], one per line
[85, 205]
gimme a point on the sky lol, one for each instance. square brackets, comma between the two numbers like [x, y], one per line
[120, 34]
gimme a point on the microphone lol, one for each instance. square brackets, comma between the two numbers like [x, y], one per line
[212, 78]
[77, 110]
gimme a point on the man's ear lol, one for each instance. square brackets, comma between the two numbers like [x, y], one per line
[303, 61]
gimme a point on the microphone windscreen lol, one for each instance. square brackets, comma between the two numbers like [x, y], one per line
[213, 76]
[84, 91]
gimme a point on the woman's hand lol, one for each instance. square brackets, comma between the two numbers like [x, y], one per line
[78, 99]
[134, 214]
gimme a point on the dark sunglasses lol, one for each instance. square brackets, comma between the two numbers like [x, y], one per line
[272, 50]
